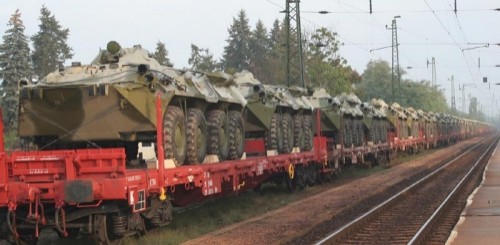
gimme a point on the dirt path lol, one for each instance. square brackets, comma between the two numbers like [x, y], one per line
[281, 225]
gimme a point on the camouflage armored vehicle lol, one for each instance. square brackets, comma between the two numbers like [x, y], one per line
[111, 103]
[397, 119]
[272, 113]
[353, 119]
[375, 121]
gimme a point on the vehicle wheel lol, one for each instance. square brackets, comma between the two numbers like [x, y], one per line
[236, 135]
[361, 133]
[196, 136]
[308, 133]
[298, 134]
[354, 132]
[347, 132]
[218, 134]
[288, 133]
[274, 137]
[174, 135]
[372, 134]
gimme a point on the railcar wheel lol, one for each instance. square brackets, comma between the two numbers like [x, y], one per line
[174, 135]
[218, 134]
[196, 136]
[236, 135]
[288, 133]
[103, 233]
[299, 133]
[274, 137]
[308, 133]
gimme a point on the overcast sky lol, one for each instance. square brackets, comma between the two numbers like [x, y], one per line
[178, 23]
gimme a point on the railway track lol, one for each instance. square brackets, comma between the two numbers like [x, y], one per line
[410, 214]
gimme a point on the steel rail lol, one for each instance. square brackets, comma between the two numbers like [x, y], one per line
[393, 198]
[419, 235]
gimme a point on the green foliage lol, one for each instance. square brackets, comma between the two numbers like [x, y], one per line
[161, 54]
[276, 58]
[49, 44]
[14, 65]
[202, 60]
[237, 52]
[259, 46]
[324, 66]
[377, 83]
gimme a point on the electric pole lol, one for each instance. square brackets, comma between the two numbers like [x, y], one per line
[294, 64]
[453, 105]
[396, 74]
[434, 80]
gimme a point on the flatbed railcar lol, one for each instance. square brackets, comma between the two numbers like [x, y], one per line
[93, 191]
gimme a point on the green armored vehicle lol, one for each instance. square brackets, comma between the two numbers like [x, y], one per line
[273, 113]
[375, 121]
[353, 119]
[112, 101]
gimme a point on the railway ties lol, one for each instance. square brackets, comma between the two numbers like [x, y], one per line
[420, 213]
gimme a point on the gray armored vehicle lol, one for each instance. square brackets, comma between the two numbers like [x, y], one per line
[111, 103]
[375, 121]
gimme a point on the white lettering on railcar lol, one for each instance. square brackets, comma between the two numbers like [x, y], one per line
[39, 171]
[133, 178]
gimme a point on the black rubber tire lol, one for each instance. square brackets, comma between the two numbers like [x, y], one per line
[236, 135]
[361, 132]
[197, 136]
[218, 127]
[274, 138]
[347, 132]
[298, 134]
[288, 133]
[308, 133]
[372, 134]
[174, 135]
[354, 132]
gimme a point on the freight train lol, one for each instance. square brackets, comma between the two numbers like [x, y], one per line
[109, 148]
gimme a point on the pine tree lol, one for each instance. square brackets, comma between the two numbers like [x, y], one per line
[259, 46]
[237, 52]
[161, 54]
[49, 44]
[277, 58]
[202, 59]
[14, 65]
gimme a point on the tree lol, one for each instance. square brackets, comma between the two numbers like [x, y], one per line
[237, 52]
[324, 66]
[417, 94]
[376, 81]
[276, 60]
[202, 59]
[49, 44]
[259, 49]
[161, 54]
[14, 65]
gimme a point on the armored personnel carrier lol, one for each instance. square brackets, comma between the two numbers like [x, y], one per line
[375, 121]
[111, 103]
[353, 119]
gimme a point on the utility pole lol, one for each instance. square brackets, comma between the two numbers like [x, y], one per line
[434, 80]
[453, 105]
[294, 64]
[396, 75]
